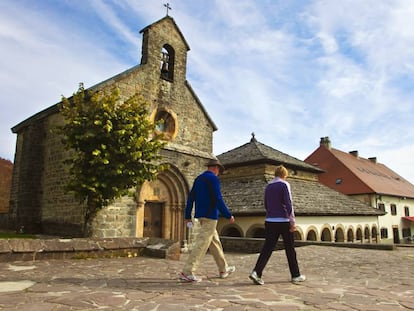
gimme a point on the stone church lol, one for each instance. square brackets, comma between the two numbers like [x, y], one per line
[38, 202]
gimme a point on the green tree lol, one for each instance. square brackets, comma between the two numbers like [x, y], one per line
[113, 147]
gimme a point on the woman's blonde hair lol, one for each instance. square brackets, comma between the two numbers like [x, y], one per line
[281, 171]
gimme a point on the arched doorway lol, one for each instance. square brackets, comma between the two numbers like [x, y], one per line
[161, 205]
[153, 219]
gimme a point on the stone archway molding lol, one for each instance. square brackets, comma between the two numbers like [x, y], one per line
[170, 188]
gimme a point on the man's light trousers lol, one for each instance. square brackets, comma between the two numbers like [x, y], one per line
[206, 239]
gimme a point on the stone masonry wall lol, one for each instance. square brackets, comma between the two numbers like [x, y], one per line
[117, 220]
[27, 181]
[60, 211]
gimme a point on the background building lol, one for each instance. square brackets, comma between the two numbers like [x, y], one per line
[372, 183]
[322, 214]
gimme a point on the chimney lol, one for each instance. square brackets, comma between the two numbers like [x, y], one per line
[325, 142]
[373, 160]
[354, 153]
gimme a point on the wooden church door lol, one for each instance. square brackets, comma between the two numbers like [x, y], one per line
[153, 219]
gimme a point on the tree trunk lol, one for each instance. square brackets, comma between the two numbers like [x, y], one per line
[90, 214]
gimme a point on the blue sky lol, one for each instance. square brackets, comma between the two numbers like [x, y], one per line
[289, 71]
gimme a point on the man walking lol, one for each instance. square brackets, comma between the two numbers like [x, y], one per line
[206, 194]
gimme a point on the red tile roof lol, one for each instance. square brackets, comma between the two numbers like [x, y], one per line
[378, 177]
[351, 174]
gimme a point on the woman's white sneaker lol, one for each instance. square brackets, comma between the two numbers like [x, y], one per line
[255, 278]
[298, 279]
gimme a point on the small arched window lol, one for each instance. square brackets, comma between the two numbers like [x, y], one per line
[166, 123]
[167, 62]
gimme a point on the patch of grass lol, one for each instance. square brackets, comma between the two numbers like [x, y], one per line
[13, 235]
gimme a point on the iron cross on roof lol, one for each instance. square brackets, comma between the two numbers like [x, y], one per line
[167, 5]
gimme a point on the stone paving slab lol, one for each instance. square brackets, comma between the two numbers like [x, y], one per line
[337, 279]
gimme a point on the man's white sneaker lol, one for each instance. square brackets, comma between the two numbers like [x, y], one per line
[255, 278]
[189, 278]
[229, 270]
[298, 279]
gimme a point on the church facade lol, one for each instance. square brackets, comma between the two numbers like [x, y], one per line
[38, 201]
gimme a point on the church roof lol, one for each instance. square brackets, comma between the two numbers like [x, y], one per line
[256, 152]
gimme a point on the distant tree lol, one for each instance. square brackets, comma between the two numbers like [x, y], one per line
[114, 147]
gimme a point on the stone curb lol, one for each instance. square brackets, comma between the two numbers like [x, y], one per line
[254, 245]
[55, 248]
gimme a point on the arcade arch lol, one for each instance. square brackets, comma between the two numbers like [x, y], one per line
[367, 235]
[312, 235]
[298, 234]
[359, 234]
[350, 235]
[339, 234]
[255, 231]
[374, 234]
[326, 234]
[232, 230]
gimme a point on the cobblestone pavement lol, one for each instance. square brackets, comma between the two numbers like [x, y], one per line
[337, 279]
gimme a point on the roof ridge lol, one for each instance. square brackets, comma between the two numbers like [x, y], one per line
[255, 151]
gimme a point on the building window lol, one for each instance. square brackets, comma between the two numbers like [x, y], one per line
[167, 62]
[165, 123]
[384, 233]
[406, 211]
[406, 232]
[381, 207]
[393, 209]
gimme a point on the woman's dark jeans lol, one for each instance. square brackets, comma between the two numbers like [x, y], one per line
[272, 232]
